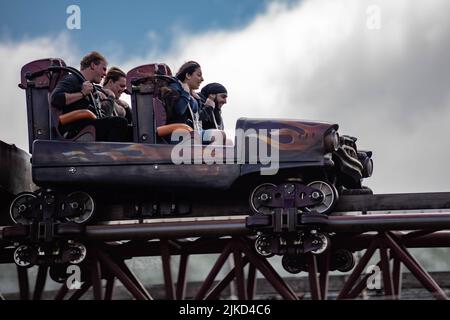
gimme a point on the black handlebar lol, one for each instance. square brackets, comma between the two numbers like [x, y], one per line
[97, 109]
[32, 75]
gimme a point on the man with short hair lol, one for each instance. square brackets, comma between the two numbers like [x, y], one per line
[214, 96]
[72, 94]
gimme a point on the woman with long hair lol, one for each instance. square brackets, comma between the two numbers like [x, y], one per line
[188, 106]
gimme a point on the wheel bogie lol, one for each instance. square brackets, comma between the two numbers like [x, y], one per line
[263, 246]
[77, 207]
[259, 196]
[81, 206]
[342, 260]
[294, 263]
[328, 194]
[318, 195]
[22, 207]
[24, 256]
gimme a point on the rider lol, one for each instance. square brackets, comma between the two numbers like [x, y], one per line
[214, 96]
[116, 82]
[186, 108]
[73, 94]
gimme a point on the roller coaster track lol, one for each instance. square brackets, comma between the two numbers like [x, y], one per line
[380, 228]
[385, 224]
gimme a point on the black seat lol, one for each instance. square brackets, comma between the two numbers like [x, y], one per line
[57, 118]
[39, 78]
[145, 84]
[164, 130]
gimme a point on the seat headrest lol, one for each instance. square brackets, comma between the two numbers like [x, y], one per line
[146, 71]
[31, 72]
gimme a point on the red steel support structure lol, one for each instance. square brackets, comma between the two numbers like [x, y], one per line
[389, 234]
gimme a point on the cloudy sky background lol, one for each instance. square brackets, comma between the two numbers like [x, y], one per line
[311, 59]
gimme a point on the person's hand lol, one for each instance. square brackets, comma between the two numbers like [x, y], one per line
[87, 88]
[210, 101]
[122, 103]
[185, 87]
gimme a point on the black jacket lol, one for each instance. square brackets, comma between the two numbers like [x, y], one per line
[70, 84]
[210, 117]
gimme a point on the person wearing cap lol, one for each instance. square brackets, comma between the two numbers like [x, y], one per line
[214, 96]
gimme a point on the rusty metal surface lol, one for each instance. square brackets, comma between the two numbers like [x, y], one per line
[205, 204]
[100, 163]
[217, 228]
[15, 170]
[212, 245]
[65, 153]
[181, 177]
[110, 263]
[298, 140]
[168, 230]
[365, 223]
[399, 201]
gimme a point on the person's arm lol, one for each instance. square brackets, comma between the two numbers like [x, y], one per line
[58, 98]
[64, 92]
[205, 114]
[86, 88]
[128, 115]
[108, 106]
[127, 108]
[107, 101]
[210, 101]
[70, 98]
[181, 104]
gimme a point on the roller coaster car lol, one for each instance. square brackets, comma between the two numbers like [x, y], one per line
[313, 164]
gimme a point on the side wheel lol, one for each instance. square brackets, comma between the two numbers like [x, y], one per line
[24, 256]
[342, 260]
[329, 197]
[21, 209]
[263, 245]
[77, 253]
[259, 196]
[79, 207]
[58, 272]
[294, 263]
[323, 241]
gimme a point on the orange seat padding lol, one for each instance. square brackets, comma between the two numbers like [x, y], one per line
[75, 116]
[167, 129]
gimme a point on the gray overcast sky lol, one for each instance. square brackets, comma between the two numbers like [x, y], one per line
[377, 68]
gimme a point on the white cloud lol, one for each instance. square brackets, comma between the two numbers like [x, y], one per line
[13, 122]
[317, 60]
